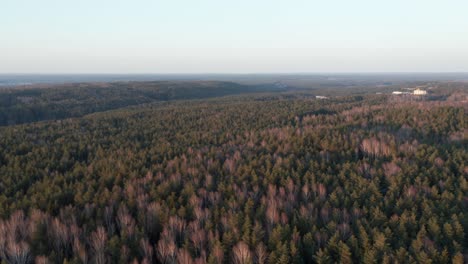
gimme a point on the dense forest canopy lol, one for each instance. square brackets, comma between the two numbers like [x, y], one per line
[167, 174]
[29, 104]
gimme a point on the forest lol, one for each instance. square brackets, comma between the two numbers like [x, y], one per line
[49, 102]
[219, 172]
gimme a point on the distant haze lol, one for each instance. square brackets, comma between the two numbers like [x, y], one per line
[214, 36]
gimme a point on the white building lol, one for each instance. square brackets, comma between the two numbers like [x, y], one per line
[400, 92]
[419, 92]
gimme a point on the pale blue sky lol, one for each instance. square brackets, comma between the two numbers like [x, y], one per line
[236, 36]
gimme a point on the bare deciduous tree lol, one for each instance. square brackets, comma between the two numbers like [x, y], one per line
[59, 235]
[183, 257]
[241, 253]
[18, 252]
[146, 250]
[125, 221]
[166, 250]
[80, 251]
[261, 254]
[41, 260]
[98, 244]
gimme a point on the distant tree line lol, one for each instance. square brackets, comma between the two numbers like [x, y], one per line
[24, 105]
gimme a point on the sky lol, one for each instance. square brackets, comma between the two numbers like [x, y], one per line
[241, 36]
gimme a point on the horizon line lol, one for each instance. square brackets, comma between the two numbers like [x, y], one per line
[233, 73]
